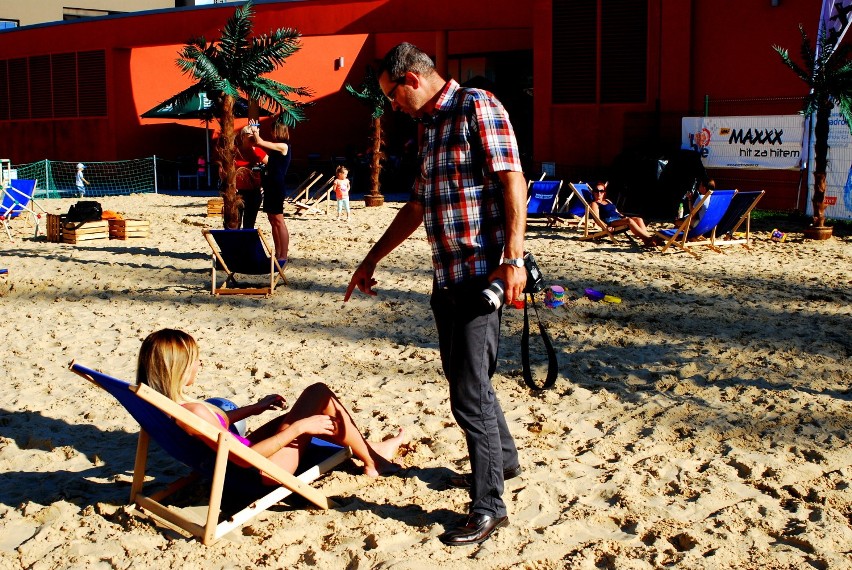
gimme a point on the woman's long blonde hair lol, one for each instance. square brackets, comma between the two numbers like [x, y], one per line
[165, 361]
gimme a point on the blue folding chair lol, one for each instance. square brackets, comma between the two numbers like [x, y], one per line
[542, 196]
[717, 202]
[212, 454]
[17, 202]
[242, 252]
[737, 214]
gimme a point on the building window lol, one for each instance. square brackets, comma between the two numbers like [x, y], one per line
[6, 24]
[600, 51]
[77, 13]
[60, 85]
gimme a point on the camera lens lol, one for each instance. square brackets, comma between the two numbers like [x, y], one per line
[493, 294]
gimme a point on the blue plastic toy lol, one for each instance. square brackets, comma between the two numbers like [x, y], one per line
[226, 406]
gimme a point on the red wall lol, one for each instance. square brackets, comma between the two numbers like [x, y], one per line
[141, 70]
[718, 48]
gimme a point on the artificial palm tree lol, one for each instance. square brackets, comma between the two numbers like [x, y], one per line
[828, 73]
[233, 67]
[373, 97]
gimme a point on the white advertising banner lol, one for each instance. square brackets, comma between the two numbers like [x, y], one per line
[838, 175]
[746, 142]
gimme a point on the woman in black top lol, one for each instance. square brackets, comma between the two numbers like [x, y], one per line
[278, 150]
[609, 215]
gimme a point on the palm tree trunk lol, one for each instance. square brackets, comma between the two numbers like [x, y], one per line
[375, 197]
[227, 170]
[821, 127]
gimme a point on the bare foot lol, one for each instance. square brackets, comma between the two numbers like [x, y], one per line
[385, 451]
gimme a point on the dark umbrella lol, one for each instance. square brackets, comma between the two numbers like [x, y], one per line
[197, 105]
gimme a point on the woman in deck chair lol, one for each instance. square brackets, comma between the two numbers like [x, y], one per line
[609, 215]
[169, 362]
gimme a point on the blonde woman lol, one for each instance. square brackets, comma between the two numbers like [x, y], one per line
[169, 362]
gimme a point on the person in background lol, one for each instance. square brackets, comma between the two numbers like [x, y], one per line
[692, 197]
[341, 190]
[612, 218]
[249, 161]
[201, 172]
[81, 181]
[278, 162]
[470, 193]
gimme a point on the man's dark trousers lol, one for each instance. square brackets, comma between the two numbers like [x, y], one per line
[468, 342]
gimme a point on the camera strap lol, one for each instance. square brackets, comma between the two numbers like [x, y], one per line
[552, 365]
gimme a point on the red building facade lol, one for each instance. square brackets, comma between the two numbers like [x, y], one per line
[585, 80]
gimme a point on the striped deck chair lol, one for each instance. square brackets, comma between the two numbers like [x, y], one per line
[214, 455]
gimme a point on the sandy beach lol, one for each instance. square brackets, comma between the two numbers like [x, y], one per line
[703, 422]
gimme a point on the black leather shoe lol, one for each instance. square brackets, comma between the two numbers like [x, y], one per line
[476, 528]
[464, 481]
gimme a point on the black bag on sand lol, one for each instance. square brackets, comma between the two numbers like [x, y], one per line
[82, 212]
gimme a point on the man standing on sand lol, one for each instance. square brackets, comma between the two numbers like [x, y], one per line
[470, 194]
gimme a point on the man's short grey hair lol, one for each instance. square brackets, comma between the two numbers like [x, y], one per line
[406, 57]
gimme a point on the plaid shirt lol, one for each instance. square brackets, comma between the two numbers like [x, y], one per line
[466, 141]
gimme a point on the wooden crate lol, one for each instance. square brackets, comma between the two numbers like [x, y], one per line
[88, 232]
[129, 229]
[54, 227]
[214, 207]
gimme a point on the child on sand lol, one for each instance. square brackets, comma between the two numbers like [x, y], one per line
[168, 363]
[341, 190]
[81, 182]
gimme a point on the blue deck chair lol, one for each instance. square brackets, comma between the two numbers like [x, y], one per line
[738, 213]
[17, 202]
[579, 204]
[214, 455]
[542, 196]
[717, 204]
[244, 252]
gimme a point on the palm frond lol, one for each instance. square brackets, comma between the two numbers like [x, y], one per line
[370, 93]
[804, 74]
[808, 55]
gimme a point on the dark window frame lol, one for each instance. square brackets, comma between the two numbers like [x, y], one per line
[599, 53]
[54, 86]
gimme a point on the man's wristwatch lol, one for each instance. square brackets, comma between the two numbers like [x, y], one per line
[517, 262]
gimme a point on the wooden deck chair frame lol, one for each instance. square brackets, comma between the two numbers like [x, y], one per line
[719, 239]
[591, 217]
[227, 448]
[230, 286]
[680, 235]
[304, 187]
[323, 193]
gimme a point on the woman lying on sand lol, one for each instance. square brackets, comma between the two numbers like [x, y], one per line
[168, 362]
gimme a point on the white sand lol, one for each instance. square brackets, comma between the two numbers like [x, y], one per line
[704, 422]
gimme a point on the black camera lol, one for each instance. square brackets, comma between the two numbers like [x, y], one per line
[535, 280]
